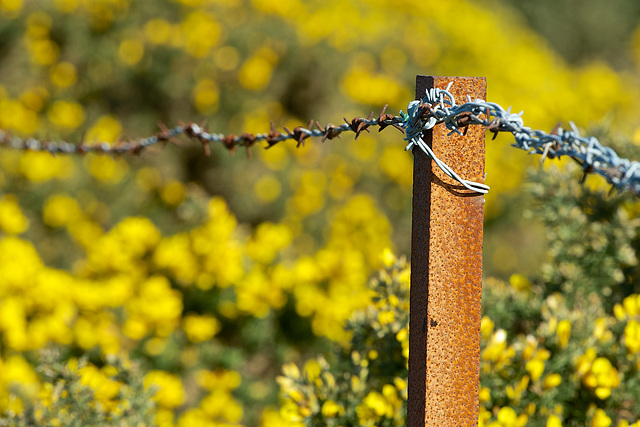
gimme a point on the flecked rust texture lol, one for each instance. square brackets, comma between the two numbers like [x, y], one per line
[446, 272]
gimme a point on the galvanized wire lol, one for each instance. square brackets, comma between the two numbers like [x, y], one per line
[425, 114]
[437, 106]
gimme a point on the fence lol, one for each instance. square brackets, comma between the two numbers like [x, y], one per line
[447, 219]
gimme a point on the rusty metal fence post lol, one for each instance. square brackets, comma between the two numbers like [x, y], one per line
[446, 272]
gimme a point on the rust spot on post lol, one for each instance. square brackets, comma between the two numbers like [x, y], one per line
[446, 271]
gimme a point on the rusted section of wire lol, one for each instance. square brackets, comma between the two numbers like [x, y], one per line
[200, 134]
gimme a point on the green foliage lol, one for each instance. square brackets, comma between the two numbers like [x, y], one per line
[592, 239]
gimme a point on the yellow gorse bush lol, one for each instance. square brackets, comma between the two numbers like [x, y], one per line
[121, 293]
[212, 276]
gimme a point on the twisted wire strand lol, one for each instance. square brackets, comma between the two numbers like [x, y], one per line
[199, 133]
[425, 114]
[436, 107]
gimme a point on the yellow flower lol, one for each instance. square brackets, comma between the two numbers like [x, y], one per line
[600, 419]
[105, 168]
[330, 409]
[105, 388]
[272, 417]
[169, 391]
[386, 317]
[396, 166]
[12, 220]
[219, 404]
[486, 327]
[606, 374]
[551, 381]
[201, 33]
[366, 86]
[255, 73]
[267, 240]
[157, 304]
[41, 166]
[200, 328]
[11, 7]
[515, 393]
[291, 370]
[312, 369]
[619, 312]
[497, 350]
[602, 392]
[16, 370]
[520, 282]
[283, 8]
[220, 379]
[16, 115]
[376, 402]
[508, 417]
[554, 421]
[632, 336]
[173, 194]
[174, 254]
[631, 305]
[584, 362]
[387, 257]
[483, 417]
[563, 332]
[66, 114]
[193, 417]
[535, 367]
[255, 295]
[206, 95]
[600, 330]
[60, 210]
[106, 129]
[485, 394]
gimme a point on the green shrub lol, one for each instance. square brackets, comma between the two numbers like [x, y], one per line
[77, 393]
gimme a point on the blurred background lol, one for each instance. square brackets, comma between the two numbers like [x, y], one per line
[153, 255]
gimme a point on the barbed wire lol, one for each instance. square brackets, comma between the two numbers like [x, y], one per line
[436, 107]
[439, 106]
[200, 133]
